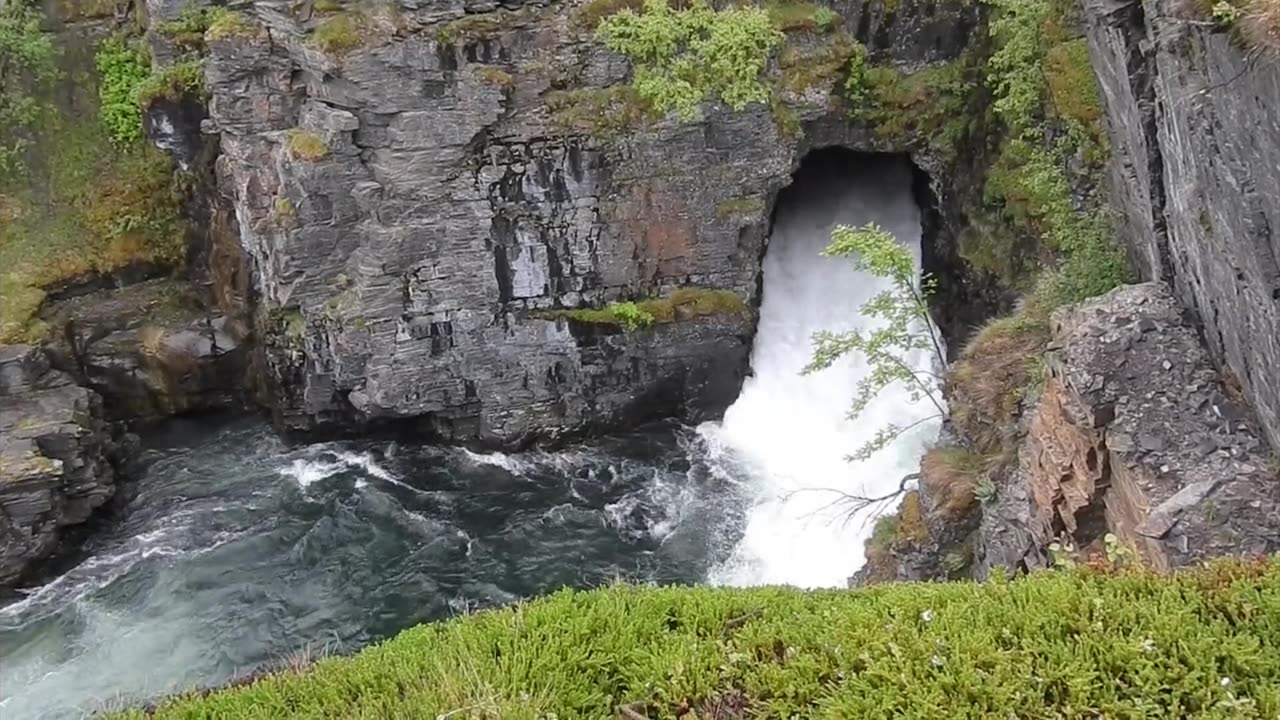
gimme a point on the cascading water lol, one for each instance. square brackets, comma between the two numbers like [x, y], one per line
[237, 552]
[791, 431]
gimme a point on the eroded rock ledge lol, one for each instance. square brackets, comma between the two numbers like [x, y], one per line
[1135, 434]
[57, 458]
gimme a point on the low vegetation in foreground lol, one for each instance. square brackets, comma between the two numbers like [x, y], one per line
[1067, 644]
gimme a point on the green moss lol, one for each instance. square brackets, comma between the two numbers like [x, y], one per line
[480, 26]
[927, 106]
[339, 34]
[784, 117]
[681, 304]
[188, 30]
[817, 68]
[183, 79]
[603, 112]
[229, 24]
[791, 15]
[740, 207]
[494, 76]
[93, 206]
[28, 72]
[1067, 644]
[307, 145]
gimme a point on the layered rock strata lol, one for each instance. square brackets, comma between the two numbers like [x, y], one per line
[56, 458]
[1135, 434]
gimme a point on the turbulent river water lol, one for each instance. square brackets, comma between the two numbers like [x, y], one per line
[235, 552]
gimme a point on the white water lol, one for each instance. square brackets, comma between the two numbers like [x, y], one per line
[791, 431]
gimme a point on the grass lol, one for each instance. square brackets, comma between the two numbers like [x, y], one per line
[174, 82]
[307, 145]
[604, 112]
[950, 477]
[792, 15]
[681, 304]
[1260, 24]
[996, 371]
[93, 206]
[480, 26]
[339, 34]
[229, 24]
[1069, 644]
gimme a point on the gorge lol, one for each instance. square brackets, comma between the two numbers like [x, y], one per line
[237, 551]
[528, 305]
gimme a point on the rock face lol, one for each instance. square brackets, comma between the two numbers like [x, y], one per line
[1194, 120]
[417, 207]
[149, 350]
[1137, 435]
[56, 456]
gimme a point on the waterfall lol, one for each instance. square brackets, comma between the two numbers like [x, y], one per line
[790, 432]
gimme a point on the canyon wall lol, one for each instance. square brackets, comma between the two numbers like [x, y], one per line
[1193, 111]
[426, 207]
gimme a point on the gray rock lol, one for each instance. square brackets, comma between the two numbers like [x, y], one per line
[1150, 473]
[405, 273]
[56, 457]
[1194, 121]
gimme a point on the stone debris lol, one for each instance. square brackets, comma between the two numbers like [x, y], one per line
[1172, 466]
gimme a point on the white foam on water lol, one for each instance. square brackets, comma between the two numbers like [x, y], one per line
[789, 433]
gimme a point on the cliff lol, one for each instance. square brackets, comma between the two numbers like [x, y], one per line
[1137, 435]
[1193, 111]
[56, 458]
[439, 199]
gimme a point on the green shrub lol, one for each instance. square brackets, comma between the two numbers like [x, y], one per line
[630, 316]
[1064, 644]
[121, 69]
[683, 57]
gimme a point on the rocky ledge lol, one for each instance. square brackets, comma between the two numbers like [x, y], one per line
[57, 458]
[1136, 434]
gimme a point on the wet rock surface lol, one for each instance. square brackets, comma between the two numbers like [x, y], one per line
[1136, 434]
[150, 350]
[56, 458]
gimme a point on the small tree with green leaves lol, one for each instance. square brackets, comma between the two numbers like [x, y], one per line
[905, 329]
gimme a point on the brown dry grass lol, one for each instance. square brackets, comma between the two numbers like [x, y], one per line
[950, 475]
[986, 386]
[1260, 24]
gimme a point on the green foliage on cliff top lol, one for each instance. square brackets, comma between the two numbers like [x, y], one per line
[681, 304]
[683, 57]
[28, 69]
[1068, 644]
